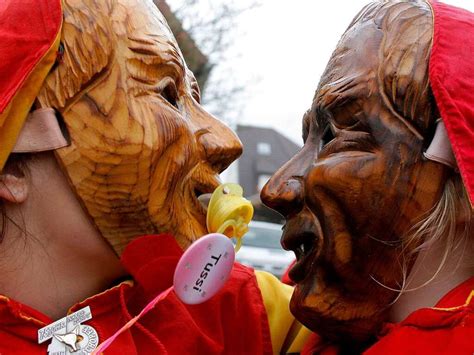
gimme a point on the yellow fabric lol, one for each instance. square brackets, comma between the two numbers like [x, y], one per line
[288, 335]
[469, 299]
[14, 115]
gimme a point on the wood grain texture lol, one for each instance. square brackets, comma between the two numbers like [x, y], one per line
[360, 183]
[141, 144]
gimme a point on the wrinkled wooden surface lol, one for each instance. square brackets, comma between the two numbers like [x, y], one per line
[142, 146]
[349, 204]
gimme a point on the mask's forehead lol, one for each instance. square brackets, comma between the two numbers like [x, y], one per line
[156, 20]
[96, 34]
[384, 52]
[350, 76]
[145, 32]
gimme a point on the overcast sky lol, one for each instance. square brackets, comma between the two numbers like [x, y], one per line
[281, 49]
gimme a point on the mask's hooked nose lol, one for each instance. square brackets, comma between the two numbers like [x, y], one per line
[283, 194]
[285, 191]
[221, 146]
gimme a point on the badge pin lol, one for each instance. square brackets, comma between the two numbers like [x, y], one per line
[69, 336]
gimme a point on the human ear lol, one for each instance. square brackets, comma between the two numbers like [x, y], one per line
[13, 188]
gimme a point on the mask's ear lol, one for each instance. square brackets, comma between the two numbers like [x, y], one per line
[41, 132]
[440, 148]
[13, 188]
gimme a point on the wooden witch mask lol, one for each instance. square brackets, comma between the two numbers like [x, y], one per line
[142, 147]
[360, 182]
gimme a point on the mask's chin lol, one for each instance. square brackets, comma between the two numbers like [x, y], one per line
[193, 213]
[185, 219]
[335, 316]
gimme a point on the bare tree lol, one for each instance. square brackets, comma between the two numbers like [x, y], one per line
[211, 24]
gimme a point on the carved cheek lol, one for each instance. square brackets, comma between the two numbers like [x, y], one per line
[345, 175]
[358, 192]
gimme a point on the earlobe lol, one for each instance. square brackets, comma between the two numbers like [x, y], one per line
[13, 189]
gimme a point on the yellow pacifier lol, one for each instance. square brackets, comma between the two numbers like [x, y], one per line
[229, 213]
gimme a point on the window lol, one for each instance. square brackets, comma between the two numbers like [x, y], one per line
[264, 148]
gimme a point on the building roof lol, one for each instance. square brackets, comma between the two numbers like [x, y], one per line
[282, 148]
[256, 163]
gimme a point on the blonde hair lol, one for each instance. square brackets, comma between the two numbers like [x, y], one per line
[448, 223]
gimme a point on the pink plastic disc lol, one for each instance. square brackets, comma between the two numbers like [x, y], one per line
[204, 268]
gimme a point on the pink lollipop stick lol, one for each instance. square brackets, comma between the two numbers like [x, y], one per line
[201, 272]
[101, 348]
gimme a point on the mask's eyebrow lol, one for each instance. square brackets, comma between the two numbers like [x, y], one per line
[323, 115]
[156, 52]
[319, 117]
[306, 124]
[339, 92]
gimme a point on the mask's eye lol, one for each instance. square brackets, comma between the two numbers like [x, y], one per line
[170, 94]
[327, 137]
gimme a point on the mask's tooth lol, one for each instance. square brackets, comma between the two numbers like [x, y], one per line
[204, 200]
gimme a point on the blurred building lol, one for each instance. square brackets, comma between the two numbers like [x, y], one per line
[265, 151]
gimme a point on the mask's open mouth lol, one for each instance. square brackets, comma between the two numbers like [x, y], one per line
[203, 198]
[303, 244]
[203, 187]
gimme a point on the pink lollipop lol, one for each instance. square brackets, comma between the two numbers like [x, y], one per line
[204, 268]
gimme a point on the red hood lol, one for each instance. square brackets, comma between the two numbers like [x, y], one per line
[451, 74]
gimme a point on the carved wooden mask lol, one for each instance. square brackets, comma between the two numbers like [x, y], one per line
[142, 148]
[360, 182]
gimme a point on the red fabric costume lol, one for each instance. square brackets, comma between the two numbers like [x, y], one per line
[232, 322]
[447, 328]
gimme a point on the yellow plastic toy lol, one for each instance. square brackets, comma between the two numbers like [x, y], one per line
[229, 212]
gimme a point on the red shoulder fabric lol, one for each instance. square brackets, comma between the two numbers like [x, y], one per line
[234, 321]
[451, 72]
[27, 29]
[19, 324]
[447, 328]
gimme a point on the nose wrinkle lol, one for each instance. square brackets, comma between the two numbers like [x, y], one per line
[284, 195]
[220, 145]
[200, 132]
[220, 153]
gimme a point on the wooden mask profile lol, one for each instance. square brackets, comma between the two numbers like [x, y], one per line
[360, 182]
[142, 148]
